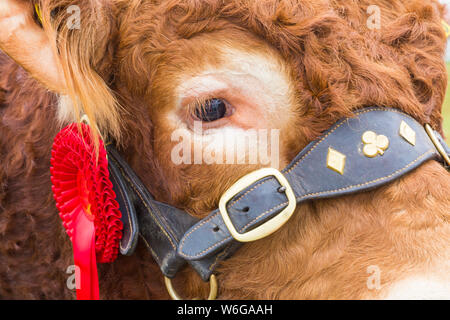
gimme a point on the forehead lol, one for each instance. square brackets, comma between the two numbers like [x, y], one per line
[160, 47]
[232, 46]
[198, 63]
[183, 19]
[153, 29]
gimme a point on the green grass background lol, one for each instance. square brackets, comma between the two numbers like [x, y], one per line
[446, 108]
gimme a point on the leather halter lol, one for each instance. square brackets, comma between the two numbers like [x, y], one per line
[373, 148]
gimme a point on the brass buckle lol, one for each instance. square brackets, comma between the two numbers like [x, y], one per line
[212, 291]
[437, 144]
[268, 227]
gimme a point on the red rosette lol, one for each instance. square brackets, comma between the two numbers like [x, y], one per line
[86, 202]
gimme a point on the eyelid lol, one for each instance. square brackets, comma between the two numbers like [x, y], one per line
[200, 101]
[193, 105]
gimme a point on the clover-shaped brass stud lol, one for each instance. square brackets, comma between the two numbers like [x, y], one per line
[374, 144]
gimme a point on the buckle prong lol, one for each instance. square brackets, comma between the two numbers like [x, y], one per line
[268, 227]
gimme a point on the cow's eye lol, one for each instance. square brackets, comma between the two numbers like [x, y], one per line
[211, 110]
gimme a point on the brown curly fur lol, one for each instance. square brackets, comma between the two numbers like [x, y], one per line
[336, 64]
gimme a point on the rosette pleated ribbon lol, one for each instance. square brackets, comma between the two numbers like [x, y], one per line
[87, 204]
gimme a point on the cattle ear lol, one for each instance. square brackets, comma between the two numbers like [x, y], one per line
[83, 33]
[25, 41]
[70, 52]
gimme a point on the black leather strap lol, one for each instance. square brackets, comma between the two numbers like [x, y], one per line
[129, 219]
[160, 226]
[174, 237]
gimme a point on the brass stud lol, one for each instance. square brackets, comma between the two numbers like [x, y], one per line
[374, 144]
[407, 133]
[336, 161]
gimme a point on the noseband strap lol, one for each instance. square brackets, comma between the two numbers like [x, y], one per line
[373, 148]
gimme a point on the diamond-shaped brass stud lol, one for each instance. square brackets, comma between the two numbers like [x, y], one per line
[407, 133]
[336, 161]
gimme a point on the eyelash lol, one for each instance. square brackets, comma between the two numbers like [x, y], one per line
[200, 102]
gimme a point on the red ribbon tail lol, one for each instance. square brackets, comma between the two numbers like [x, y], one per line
[85, 258]
[94, 273]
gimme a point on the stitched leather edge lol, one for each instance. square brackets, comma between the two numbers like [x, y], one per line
[145, 204]
[128, 216]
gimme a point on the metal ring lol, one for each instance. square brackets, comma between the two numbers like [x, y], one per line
[213, 288]
[85, 119]
[37, 9]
